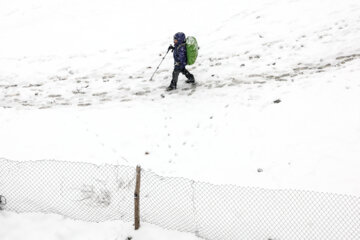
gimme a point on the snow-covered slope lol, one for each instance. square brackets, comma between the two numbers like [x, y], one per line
[92, 53]
[101, 106]
[277, 104]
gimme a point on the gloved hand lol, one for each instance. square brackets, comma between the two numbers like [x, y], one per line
[171, 47]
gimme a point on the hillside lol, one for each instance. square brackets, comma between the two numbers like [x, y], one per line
[276, 105]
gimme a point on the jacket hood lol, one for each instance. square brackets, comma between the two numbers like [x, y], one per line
[180, 36]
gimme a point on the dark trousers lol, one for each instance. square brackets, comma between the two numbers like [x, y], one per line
[175, 76]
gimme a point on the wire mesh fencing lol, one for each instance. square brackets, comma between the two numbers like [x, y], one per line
[76, 190]
[100, 193]
[233, 212]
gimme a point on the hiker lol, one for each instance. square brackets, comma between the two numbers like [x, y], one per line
[180, 61]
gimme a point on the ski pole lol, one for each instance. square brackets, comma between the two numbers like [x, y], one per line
[159, 65]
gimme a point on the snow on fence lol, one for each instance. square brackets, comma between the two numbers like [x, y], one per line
[100, 193]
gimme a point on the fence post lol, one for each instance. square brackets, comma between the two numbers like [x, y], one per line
[137, 198]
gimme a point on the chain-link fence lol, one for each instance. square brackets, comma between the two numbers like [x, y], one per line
[99, 193]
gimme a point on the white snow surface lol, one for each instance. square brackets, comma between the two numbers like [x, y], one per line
[74, 86]
[55, 227]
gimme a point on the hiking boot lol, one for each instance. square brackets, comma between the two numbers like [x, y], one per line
[190, 81]
[170, 88]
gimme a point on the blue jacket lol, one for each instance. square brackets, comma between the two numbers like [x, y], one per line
[180, 59]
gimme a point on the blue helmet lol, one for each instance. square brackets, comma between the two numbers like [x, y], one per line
[180, 37]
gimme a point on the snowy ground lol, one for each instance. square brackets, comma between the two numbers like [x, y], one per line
[74, 86]
[55, 227]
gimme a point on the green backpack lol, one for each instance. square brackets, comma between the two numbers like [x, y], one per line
[191, 50]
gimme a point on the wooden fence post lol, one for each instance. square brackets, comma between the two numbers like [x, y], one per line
[137, 198]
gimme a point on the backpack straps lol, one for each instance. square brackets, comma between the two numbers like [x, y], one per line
[183, 44]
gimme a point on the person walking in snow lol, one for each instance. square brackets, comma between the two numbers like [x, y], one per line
[180, 60]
